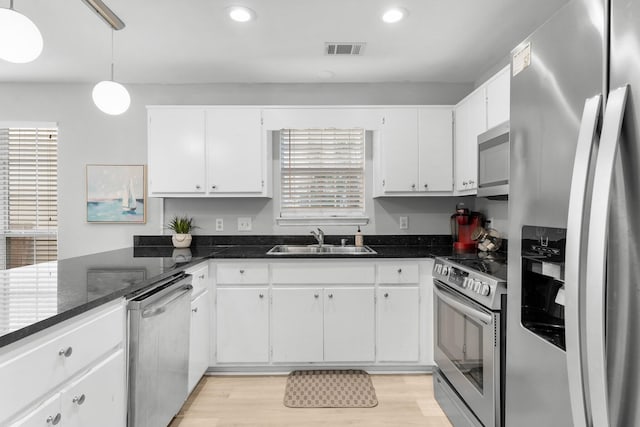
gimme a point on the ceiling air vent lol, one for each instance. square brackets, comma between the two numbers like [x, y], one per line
[343, 48]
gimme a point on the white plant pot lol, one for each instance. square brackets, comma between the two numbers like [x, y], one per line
[181, 240]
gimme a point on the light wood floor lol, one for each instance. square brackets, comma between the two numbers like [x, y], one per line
[404, 400]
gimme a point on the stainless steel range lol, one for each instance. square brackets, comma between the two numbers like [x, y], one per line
[469, 321]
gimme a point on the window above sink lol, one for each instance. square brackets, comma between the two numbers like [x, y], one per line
[322, 176]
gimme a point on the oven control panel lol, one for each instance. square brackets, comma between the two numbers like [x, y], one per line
[478, 286]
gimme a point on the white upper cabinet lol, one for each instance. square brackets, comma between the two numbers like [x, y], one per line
[399, 140]
[415, 152]
[176, 151]
[498, 98]
[435, 149]
[235, 151]
[207, 152]
[483, 109]
[471, 121]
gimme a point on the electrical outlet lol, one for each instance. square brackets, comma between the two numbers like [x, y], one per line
[244, 223]
[489, 221]
[404, 222]
[219, 224]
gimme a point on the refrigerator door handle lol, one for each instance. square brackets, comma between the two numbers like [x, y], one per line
[597, 257]
[574, 249]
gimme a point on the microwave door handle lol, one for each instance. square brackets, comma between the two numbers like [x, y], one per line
[597, 256]
[574, 250]
[464, 308]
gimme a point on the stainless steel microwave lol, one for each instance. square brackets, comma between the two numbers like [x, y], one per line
[493, 162]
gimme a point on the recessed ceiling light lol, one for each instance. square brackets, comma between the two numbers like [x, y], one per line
[394, 15]
[241, 14]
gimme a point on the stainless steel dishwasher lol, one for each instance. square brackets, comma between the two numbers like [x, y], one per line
[159, 322]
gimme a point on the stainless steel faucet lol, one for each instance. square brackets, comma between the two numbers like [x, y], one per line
[319, 236]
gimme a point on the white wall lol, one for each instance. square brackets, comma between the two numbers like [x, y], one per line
[88, 136]
[497, 211]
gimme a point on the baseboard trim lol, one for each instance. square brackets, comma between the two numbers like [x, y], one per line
[285, 370]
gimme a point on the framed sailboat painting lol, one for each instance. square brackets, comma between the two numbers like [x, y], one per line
[116, 194]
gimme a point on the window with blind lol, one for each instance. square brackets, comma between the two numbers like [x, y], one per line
[28, 196]
[322, 173]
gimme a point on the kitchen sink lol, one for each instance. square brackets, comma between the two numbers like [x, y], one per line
[320, 250]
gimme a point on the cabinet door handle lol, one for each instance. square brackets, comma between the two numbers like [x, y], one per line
[471, 182]
[79, 400]
[241, 271]
[195, 310]
[66, 352]
[386, 295]
[201, 277]
[53, 420]
[261, 295]
[413, 186]
[197, 187]
[399, 270]
[213, 187]
[426, 186]
[330, 295]
[316, 295]
[464, 183]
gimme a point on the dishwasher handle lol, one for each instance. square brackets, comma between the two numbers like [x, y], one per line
[159, 292]
[161, 306]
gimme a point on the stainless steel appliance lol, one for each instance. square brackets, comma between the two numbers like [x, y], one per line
[159, 322]
[493, 162]
[469, 304]
[575, 161]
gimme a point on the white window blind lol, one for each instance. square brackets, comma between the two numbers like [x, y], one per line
[28, 196]
[322, 172]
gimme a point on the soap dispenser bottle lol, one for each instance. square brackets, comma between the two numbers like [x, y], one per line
[359, 239]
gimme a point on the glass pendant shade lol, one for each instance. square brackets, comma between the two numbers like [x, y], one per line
[111, 97]
[20, 39]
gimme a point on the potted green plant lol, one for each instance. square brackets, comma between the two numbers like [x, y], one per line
[181, 227]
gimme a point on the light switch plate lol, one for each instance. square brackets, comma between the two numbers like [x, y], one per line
[244, 223]
[404, 222]
[219, 224]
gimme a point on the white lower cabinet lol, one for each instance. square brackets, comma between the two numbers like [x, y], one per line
[323, 324]
[242, 325]
[198, 339]
[96, 399]
[302, 312]
[49, 413]
[87, 386]
[297, 329]
[398, 323]
[349, 317]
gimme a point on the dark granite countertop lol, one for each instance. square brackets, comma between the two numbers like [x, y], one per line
[36, 297]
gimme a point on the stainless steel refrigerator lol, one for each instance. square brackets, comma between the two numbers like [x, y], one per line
[575, 165]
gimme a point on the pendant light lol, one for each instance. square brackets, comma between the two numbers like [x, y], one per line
[110, 96]
[20, 39]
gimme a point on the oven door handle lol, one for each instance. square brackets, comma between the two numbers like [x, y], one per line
[458, 304]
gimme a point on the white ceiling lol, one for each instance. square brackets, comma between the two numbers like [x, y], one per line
[193, 41]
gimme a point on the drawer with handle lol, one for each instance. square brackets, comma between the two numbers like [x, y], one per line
[41, 365]
[200, 278]
[238, 274]
[398, 273]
